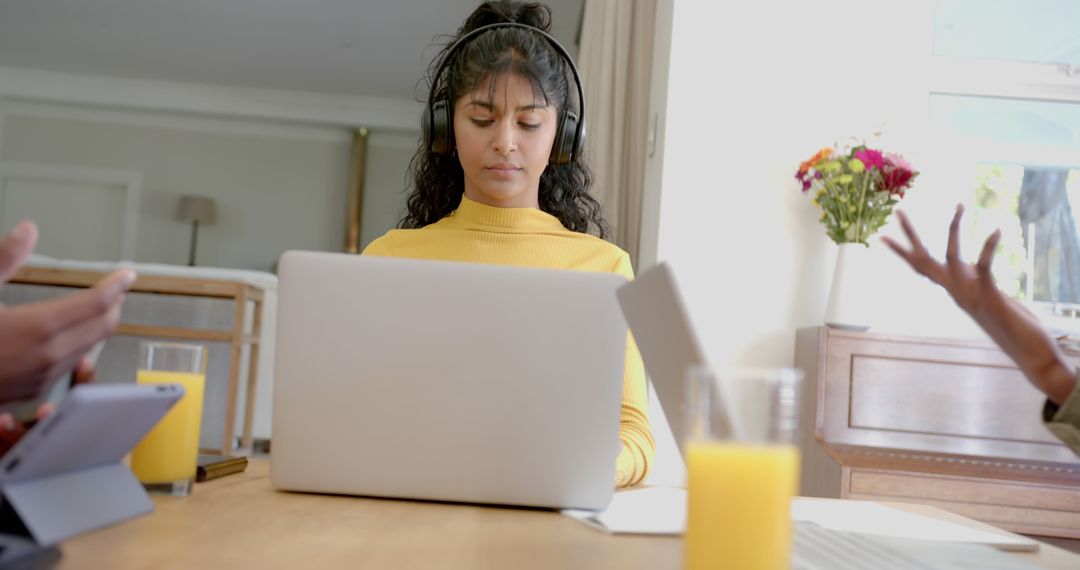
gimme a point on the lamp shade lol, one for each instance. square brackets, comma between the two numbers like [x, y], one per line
[199, 209]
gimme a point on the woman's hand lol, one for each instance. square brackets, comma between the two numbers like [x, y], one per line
[11, 430]
[1008, 322]
[41, 341]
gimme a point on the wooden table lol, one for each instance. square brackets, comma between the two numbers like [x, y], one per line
[240, 521]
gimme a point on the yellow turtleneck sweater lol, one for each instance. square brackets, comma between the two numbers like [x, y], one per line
[529, 237]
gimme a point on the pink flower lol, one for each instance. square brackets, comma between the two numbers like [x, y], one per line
[897, 174]
[898, 161]
[871, 158]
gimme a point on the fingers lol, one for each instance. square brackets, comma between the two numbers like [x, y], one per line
[919, 264]
[913, 237]
[894, 246]
[898, 249]
[73, 343]
[909, 231]
[952, 251]
[10, 432]
[986, 256]
[90, 304]
[44, 410]
[32, 387]
[60, 331]
[84, 371]
[15, 246]
[918, 258]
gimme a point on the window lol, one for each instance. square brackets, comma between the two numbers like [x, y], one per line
[1007, 91]
[1033, 31]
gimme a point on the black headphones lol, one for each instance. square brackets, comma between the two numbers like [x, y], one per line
[438, 124]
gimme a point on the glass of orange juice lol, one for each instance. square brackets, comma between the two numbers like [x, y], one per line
[742, 467]
[164, 461]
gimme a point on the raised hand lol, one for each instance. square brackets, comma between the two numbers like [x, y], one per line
[1008, 322]
[39, 342]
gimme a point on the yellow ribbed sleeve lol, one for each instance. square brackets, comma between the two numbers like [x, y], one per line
[528, 237]
[639, 447]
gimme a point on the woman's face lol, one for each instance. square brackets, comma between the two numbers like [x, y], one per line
[503, 138]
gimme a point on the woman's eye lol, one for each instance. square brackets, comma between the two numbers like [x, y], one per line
[530, 126]
[481, 122]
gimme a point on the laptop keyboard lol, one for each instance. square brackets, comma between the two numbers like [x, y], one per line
[818, 548]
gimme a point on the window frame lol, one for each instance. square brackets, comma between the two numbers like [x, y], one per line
[1020, 81]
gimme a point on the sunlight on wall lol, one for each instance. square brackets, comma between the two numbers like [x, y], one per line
[750, 95]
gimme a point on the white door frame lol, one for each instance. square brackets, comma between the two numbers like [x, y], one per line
[130, 182]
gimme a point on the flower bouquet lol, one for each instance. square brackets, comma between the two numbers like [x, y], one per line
[856, 189]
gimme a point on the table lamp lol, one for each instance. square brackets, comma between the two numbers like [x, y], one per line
[197, 210]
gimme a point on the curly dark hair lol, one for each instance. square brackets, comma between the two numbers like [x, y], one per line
[437, 180]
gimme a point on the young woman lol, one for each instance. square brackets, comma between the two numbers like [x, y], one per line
[499, 178]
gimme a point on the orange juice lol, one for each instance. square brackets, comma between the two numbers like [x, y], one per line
[168, 453]
[739, 505]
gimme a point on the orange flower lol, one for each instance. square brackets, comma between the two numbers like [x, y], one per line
[821, 155]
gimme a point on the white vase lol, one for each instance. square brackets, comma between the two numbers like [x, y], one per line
[850, 295]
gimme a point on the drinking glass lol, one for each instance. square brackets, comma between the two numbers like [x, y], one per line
[164, 461]
[742, 467]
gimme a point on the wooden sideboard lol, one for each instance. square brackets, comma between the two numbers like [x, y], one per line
[950, 423]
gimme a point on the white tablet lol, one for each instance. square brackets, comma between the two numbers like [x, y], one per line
[96, 424]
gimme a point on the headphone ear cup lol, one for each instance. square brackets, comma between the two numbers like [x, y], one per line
[438, 130]
[564, 148]
[579, 139]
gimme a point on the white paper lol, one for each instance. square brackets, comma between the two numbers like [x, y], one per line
[650, 510]
[662, 511]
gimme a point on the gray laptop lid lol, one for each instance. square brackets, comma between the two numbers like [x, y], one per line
[665, 335]
[447, 381]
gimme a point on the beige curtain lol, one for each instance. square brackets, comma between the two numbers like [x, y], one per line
[615, 61]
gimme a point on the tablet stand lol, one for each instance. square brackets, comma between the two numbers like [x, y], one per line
[38, 513]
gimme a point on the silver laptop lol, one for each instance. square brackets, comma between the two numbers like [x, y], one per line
[447, 381]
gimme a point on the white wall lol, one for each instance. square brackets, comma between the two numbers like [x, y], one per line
[384, 194]
[742, 93]
[3, 106]
[277, 187]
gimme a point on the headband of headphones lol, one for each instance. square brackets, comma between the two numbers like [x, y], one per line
[438, 125]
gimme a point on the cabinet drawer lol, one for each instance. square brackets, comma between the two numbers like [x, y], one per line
[1027, 507]
[927, 396]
